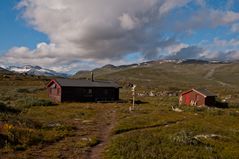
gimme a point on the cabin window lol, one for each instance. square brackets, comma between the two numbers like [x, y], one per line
[53, 86]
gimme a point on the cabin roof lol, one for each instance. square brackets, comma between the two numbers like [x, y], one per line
[205, 92]
[202, 91]
[85, 83]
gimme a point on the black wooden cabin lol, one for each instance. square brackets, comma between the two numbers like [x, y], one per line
[69, 90]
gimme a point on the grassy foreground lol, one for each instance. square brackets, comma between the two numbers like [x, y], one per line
[155, 131]
[33, 127]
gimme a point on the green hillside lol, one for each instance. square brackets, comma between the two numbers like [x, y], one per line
[172, 75]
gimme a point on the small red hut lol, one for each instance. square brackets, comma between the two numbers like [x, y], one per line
[197, 97]
[63, 90]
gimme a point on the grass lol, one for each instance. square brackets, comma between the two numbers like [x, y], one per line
[29, 119]
[152, 130]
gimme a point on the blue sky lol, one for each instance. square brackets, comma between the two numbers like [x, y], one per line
[14, 30]
[75, 35]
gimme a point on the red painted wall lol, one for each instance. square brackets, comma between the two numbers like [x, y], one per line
[191, 98]
[54, 92]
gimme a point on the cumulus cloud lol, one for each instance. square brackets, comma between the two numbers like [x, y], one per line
[93, 30]
[128, 22]
[220, 49]
[85, 34]
[191, 52]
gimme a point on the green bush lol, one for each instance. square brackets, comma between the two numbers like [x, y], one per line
[28, 90]
[39, 102]
[29, 102]
[183, 138]
[233, 105]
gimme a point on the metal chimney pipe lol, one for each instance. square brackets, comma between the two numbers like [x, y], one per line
[92, 76]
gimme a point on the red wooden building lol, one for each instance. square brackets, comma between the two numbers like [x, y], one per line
[63, 90]
[197, 97]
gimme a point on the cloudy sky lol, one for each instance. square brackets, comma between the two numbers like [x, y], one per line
[73, 35]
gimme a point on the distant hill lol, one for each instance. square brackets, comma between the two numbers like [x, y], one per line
[109, 68]
[173, 74]
[35, 70]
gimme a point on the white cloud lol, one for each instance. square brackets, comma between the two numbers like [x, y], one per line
[234, 55]
[235, 28]
[220, 49]
[127, 22]
[88, 33]
[172, 49]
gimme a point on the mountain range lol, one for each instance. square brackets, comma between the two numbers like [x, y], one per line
[34, 70]
[109, 68]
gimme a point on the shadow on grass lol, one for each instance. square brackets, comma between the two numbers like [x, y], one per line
[126, 130]
[138, 102]
[6, 109]
[3, 139]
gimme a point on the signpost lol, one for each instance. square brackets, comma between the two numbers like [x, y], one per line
[133, 94]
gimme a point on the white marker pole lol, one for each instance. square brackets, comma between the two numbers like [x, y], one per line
[133, 93]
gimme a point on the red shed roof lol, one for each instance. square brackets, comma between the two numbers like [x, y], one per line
[201, 91]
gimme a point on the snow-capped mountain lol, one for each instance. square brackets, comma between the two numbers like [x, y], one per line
[35, 70]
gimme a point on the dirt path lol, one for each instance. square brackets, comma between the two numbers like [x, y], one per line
[104, 135]
[210, 74]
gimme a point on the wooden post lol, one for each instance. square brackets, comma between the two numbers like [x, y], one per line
[133, 94]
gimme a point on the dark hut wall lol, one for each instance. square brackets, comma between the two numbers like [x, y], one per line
[210, 101]
[89, 94]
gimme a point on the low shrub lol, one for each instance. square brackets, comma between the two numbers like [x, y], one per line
[200, 109]
[28, 90]
[20, 138]
[183, 138]
[39, 102]
[29, 102]
[215, 112]
[233, 105]
[234, 113]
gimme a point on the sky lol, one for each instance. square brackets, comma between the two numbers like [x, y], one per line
[73, 35]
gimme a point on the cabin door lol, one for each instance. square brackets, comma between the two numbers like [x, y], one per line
[187, 99]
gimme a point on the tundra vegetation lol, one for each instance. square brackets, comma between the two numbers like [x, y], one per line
[31, 126]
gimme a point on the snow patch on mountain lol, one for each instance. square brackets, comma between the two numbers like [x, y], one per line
[35, 70]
